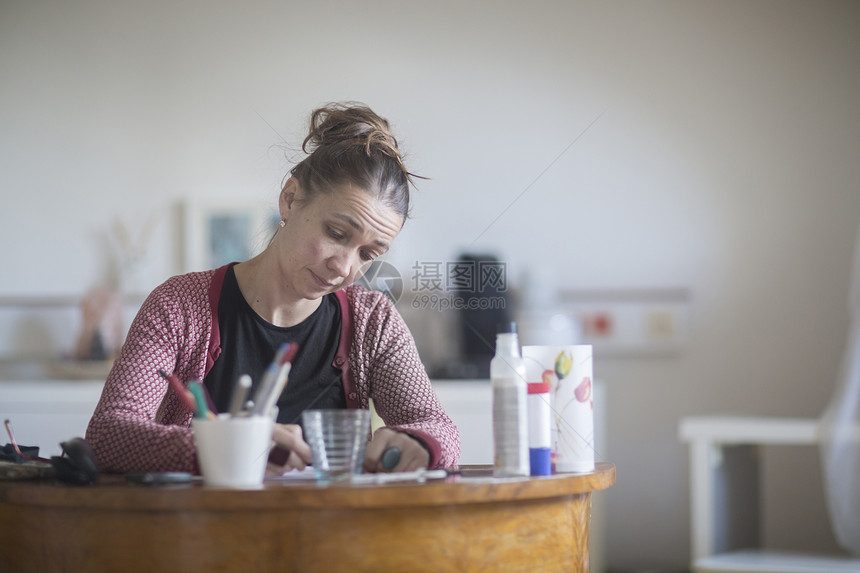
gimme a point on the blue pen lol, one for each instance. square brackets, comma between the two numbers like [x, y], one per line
[267, 385]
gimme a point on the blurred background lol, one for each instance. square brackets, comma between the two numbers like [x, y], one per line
[693, 165]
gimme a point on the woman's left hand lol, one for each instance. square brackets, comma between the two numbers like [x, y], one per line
[413, 455]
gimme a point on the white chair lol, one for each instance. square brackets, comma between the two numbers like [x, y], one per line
[724, 475]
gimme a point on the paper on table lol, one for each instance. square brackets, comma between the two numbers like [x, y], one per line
[306, 474]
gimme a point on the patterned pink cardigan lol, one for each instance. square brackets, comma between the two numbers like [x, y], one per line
[141, 425]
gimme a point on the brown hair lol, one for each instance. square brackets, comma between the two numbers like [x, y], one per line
[349, 143]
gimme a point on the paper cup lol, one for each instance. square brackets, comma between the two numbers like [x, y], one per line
[569, 371]
[233, 452]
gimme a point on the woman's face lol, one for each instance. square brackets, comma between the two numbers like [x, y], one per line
[330, 239]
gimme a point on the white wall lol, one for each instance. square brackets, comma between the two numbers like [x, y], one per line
[714, 147]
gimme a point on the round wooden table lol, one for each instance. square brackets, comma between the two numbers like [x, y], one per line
[468, 522]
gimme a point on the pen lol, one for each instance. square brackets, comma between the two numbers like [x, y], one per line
[186, 396]
[280, 384]
[201, 410]
[285, 353]
[275, 379]
[240, 392]
[283, 375]
[420, 476]
[270, 376]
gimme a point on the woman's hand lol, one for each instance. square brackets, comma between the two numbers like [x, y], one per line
[290, 450]
[413, 455]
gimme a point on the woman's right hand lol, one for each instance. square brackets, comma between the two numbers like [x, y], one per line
[290, 450]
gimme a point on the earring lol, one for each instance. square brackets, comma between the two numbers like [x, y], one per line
[282, 223]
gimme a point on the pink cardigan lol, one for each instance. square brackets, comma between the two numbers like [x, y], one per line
[141, 425]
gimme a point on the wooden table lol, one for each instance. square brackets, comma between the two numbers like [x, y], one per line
[470, 522]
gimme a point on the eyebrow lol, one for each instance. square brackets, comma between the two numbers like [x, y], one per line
[357, 226]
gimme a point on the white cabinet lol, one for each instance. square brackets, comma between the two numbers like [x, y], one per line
[46, 412]
[469, 403]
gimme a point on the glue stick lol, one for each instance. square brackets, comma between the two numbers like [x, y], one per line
[540, 416]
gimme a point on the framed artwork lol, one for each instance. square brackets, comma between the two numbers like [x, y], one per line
[219, 233]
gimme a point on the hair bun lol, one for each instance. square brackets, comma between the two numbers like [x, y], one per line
[350, 124]
[350, 142]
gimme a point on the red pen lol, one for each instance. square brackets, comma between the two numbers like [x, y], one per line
[283, 373]
[184, 394]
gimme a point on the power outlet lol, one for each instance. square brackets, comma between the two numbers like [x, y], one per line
[598, 325]
[660, 324]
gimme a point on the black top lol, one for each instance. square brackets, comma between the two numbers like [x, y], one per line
[249, 343]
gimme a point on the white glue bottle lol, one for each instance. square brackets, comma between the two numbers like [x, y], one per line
[510, 421]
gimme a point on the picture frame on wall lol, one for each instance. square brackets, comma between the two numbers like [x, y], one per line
[218, 233]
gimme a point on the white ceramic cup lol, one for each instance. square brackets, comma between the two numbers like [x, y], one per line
[233, 452]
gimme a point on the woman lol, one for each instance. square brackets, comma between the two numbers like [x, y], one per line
[340, 209]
